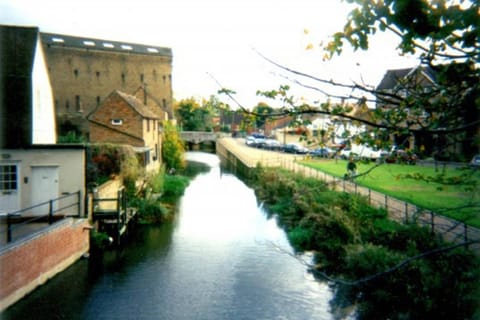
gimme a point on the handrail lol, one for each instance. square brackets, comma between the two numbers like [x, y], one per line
[11, 225]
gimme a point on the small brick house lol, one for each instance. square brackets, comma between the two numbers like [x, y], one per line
[124, 119]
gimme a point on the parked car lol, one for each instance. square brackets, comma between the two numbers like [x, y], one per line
[250, 141]
[295, 148]
[402, 156]
[347, 153]
[475, 163]
[272, 144]
[259, 143]
[322, 153]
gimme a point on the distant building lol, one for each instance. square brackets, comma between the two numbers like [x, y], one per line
[123, 119]
[33, 169]
[26, 101]
[84, 71]
[398, 84]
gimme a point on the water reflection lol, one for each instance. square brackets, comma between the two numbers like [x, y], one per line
[220, 259]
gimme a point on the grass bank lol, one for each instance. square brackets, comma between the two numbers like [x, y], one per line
[388, 270]
[443, 191]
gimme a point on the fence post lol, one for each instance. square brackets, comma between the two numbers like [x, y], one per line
[369, 196]
[465, 234]
[78, 203]
[432, 216]
[9, 229]
[386, 203]
[50, 212]
[406, 212]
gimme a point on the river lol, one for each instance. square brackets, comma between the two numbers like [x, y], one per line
[221, 258]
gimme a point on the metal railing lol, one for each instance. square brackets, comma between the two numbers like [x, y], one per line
[398, 210]
[55, 209]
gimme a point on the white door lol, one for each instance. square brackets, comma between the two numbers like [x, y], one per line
[9, 188]
[44, 187]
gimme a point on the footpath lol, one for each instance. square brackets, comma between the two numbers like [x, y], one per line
[449, 229]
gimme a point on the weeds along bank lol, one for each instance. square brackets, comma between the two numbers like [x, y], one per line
[387, 269]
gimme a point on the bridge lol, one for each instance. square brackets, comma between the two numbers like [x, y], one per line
[197, 137]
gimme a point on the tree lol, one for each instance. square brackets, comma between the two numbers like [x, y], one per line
[172, 147]
[445, 36]
[192, 116]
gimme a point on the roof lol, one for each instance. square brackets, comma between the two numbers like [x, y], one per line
[59, 40]
[137, 105]
[391, 77]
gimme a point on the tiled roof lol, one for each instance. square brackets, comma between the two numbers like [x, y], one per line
[391, 77]
[136, 104]
[87, 43]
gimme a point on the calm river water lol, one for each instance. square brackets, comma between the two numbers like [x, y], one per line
[221, 259]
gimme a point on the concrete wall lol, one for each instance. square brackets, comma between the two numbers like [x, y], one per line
[70, 162]
[108, 190]
[27, 264]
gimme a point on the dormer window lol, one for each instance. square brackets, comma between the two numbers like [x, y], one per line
[117, 122]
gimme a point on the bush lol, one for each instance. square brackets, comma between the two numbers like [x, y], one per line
[150, 211]
[174, 187]
[352, 240]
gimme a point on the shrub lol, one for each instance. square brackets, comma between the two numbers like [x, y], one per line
[150, 211]
[174, 187]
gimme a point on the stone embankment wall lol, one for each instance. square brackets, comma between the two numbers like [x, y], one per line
[30, 262]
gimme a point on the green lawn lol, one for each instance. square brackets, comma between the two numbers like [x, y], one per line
[389, 179]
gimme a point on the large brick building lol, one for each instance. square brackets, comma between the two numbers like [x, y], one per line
[84, 71]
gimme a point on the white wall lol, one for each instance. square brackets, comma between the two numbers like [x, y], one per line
[71, 171]
[44, 128]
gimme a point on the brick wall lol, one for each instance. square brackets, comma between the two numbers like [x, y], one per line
[87, 77]
[130, 131]
[109, 190]
[26, 264]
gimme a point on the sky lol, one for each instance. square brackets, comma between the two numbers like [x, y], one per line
[216, 43]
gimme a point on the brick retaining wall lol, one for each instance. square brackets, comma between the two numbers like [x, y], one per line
[27, 264]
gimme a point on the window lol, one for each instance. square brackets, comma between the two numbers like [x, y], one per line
[75, 72]
[117, 122]
[141, 77]
[98, 101]
[78, 103]
[97, 74]
[123, 77]
[148, 125]
[8, 178]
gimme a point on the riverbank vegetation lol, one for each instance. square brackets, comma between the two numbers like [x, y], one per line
[386, 269]
[452, 192]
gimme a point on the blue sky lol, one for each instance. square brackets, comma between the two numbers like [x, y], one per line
[219, 38]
